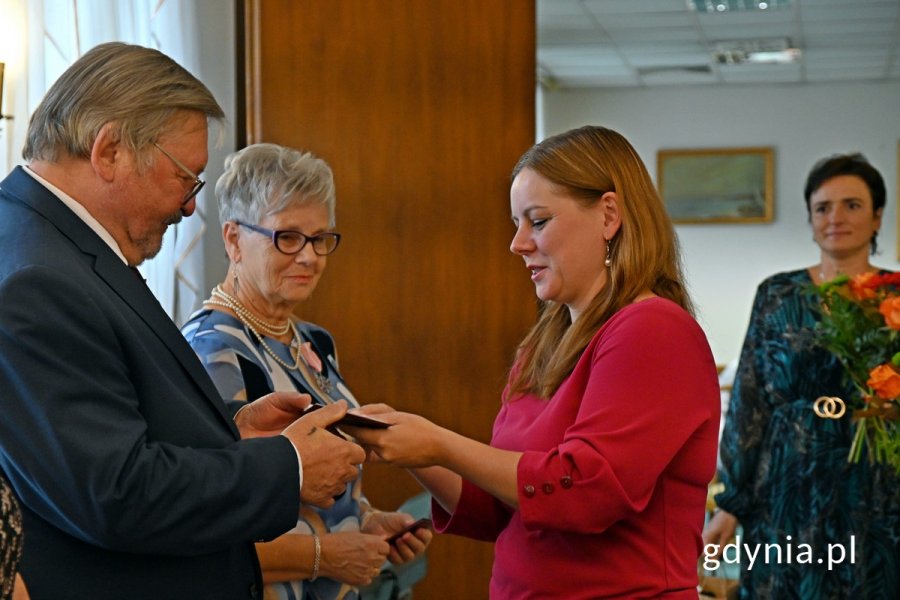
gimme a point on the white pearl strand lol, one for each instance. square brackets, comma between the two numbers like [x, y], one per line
[234, 304]
[221, 298]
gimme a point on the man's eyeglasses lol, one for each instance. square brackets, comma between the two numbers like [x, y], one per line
[198, 183]
[292, 242]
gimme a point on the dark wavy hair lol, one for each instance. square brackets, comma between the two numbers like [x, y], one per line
[847, 164]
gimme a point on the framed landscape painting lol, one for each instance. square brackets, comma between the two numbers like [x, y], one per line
[717, 185]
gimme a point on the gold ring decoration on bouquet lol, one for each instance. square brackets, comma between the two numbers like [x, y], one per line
[829, 407]
[860, 326]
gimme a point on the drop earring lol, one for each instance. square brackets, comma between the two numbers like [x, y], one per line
[608, 260]
[235, 284]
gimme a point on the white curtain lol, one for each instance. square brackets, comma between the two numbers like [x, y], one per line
[13, 53]
[54, 33]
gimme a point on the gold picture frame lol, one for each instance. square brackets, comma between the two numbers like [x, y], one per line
[717, 185]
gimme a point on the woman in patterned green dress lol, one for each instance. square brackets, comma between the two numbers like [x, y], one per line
[787, 479]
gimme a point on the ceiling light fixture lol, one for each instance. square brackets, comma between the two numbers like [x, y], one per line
[724, 6]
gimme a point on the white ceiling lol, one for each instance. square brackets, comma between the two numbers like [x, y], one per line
[626, 43]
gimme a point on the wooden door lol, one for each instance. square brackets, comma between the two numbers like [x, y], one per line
[421, 107]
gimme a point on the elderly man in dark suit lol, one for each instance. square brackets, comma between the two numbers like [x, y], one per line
[136, 480]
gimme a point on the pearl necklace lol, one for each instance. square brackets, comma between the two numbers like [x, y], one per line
[222, 298]
[227, 300]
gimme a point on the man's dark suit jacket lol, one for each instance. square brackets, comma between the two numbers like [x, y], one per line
[127, 462]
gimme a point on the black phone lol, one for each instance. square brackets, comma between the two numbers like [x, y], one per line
[411, 527]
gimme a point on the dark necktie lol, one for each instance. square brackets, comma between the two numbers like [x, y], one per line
[138, 275]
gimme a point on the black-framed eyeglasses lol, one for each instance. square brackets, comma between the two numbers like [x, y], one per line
[198, 183]
[292, 242]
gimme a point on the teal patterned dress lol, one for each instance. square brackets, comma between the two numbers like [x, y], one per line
[785, 470]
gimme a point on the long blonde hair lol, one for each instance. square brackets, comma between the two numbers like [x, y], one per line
[586, 163]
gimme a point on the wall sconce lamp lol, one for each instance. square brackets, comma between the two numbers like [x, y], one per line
[2, 116]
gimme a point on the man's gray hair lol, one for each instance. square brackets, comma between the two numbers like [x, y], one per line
[139, 90]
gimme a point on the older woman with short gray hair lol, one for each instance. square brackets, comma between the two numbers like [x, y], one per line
[277, 210]
[264, 179]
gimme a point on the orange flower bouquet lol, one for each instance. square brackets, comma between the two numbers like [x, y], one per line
[860, 325]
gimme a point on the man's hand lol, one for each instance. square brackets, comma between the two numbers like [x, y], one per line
[329, 461]
[270, 414]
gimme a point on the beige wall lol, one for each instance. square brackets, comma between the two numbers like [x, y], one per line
[725, 262]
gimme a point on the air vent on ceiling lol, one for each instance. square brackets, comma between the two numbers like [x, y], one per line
[642, 71]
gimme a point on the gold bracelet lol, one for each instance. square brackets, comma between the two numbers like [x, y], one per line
[318, 558]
